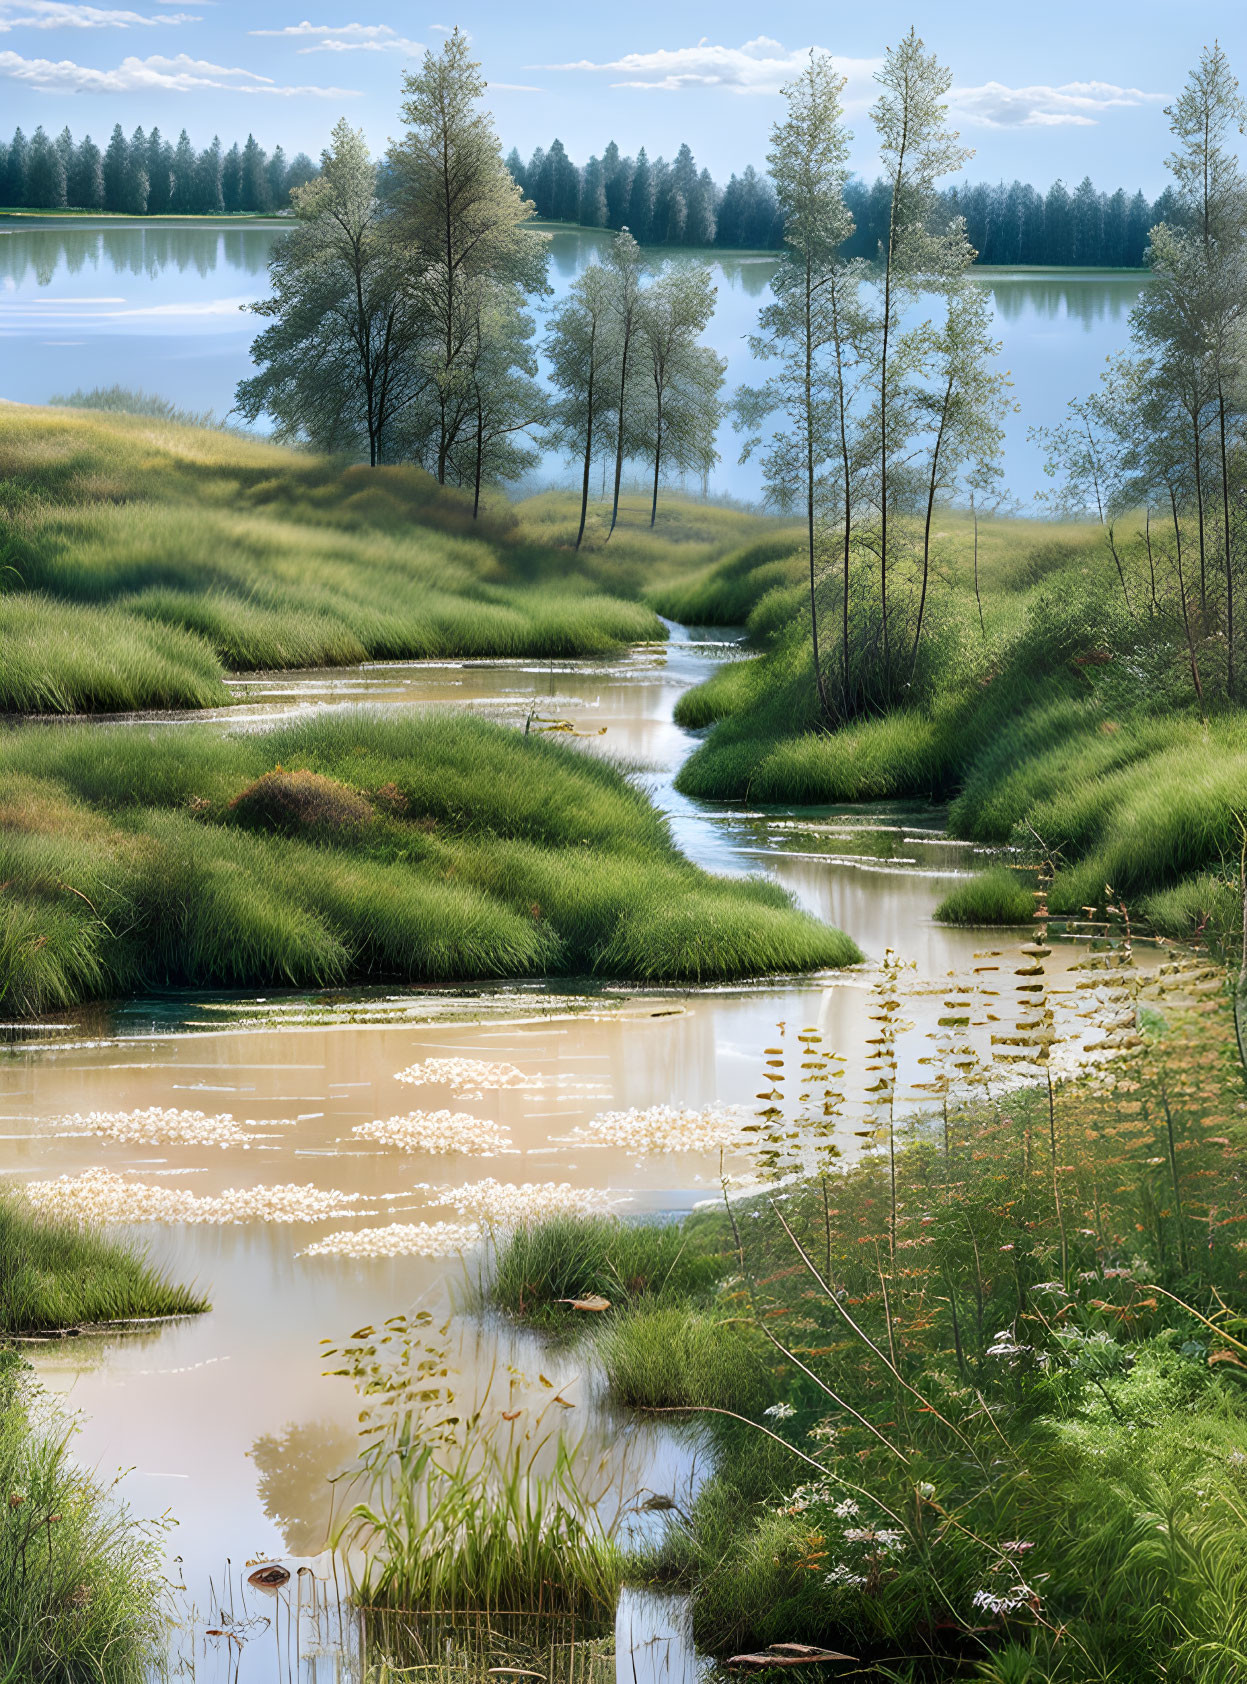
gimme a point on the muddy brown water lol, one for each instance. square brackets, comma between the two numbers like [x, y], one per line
[227, 1422]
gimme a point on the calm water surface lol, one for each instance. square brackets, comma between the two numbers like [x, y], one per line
[161, 306]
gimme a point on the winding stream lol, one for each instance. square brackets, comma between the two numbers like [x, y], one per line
[226, 1420]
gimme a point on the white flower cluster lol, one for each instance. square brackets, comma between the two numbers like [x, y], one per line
[885, 1540]
[99, 1195]
[466, 1073]
[437, 1131]
[399, 1239]
[501, 1204]
[780, 1411]
[665, 1128]
[160, 1126]
[845, 1576]
[1003, 1602]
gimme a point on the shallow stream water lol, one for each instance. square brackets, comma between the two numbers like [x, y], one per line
[227, 1421]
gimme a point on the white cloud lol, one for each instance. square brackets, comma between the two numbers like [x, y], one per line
[180, 74]
[345, 38]
[63, 14]
[1072, 104]
[515, 88]
[760, 66]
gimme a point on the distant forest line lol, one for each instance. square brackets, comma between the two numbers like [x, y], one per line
[663, 203]
[146, 174]
[677, 204]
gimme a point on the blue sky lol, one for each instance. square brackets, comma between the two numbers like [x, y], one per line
[1040, 90]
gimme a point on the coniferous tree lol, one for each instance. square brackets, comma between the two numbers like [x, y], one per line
[137, 184]
[301, 171]
[45, 173]
[276, 179]
[85, 189]
[253, 177]
[639, 211]
[231, 180]
[593, 195]
[184, 196]
[209, 199]
[116, 166]
[159, 174]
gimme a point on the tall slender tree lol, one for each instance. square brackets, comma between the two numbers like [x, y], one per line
[582, 355]
[460, 218]
[626, 269]
[916, 147]
[683, 407]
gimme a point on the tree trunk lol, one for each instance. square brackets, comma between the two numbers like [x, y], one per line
[974, 511]
[653, 513]
[1186, 619]
[480, 454]
[1199, 509]
[926, 531]
[845, 702]
[1229, 569]
[619, 442]
[820, 683]
[584, 489]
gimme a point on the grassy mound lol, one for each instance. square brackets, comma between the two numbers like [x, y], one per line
[131, 860]
[300, 803]
[995, 896]
[144, 557]
[55, 1276]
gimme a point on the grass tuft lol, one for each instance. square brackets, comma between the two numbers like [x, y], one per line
[995, 896]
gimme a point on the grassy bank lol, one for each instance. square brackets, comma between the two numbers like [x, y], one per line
[1062, 720]
[54, 1276]
[80, 1580]
[985, 1389]
[348, 849]
[143, 559]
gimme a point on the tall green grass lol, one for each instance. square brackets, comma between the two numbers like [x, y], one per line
[137, 859]
[80, 1580]
[978, 1399]
[55, 1276]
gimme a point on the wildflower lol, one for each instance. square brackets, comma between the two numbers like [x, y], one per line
[1016, 1546]
[161, 1126]
[499, 1204]
[926, 1491]
[780, 1411]
[845, 1576]
[1004, 1602]
[846, 1510]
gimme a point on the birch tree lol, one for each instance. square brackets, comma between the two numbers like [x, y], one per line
[336, 366]
[625, 268]
[808, 331]
[460, 220]
[916, 148]
[683, 406]
[582, 352]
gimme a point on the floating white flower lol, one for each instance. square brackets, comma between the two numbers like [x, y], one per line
[160, 1126]
[666, 1128]
[399, 1239]
[466, 1073]
[437, 1131]
[501, 1204]
[99, 1195]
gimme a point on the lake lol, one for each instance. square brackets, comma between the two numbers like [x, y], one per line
[161, 306]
